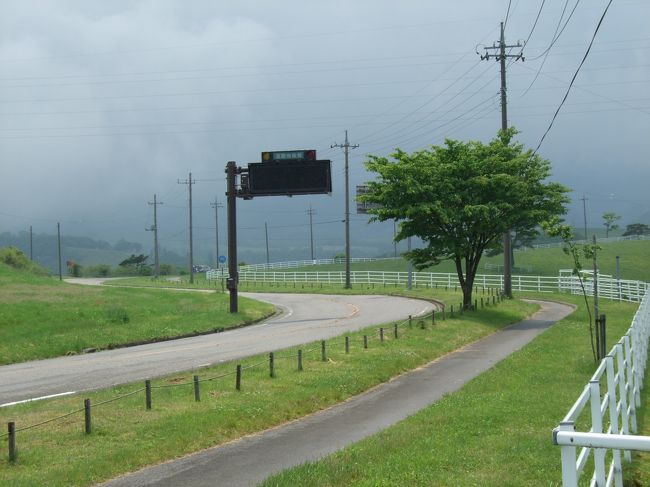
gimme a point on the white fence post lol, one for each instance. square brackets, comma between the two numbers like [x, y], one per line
[568, 453]
[597, 427]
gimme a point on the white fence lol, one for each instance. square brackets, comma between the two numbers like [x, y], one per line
[613, 395]
[608, 288]
[600, 240]
[304, 263]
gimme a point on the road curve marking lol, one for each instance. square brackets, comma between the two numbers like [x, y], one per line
[7, 404]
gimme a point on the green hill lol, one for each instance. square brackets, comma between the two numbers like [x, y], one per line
[634, 262]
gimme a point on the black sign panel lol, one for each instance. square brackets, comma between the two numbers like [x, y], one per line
[288, 178]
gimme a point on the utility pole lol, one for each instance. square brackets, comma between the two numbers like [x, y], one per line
[346, 149]
[501, 57]
[58, 238]
[189, 183]
[216, 205]
[311, 212]
[394, 241]
[31, 244]
[266, 235]
[584, 214]
[154, 229]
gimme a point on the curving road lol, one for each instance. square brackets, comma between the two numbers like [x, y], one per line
[251, 459]
[304, 318]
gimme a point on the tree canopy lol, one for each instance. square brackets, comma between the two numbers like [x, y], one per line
[461, 198]
[636, 229]
[609, 220]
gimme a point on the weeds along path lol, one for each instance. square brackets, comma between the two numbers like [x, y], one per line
[305, 318]
[251, 459]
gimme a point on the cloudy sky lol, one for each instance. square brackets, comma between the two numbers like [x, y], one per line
[104, 104]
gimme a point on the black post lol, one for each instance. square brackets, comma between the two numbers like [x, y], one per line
[147, 394]
[11, 428]
[197, 389]
[410, 321]
[299, 359]
[381, 335]
[347, 344]
[452, 310]
[433, 317]
[238, 378]
[395, 330]
[231, 284]
[365, 341]
[322, 351]
[271, 365]
[87, 422]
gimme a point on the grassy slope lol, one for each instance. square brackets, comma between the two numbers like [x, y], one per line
[494, 431]
[126, 437]
[41, 317]
[545, 262]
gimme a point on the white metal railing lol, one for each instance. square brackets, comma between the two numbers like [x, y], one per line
[612, 397]
[608, 287]
[304, 263]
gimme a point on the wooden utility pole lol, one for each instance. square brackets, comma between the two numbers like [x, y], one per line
[189, 183]
[216, 205]
[154, 229]
[58, 239]
[346, 149]
[311, 212]
[501, 57]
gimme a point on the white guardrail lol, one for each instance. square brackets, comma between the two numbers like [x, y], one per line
[612, 413]
[608, 287]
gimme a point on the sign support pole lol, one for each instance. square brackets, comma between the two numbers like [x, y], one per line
[231, 283]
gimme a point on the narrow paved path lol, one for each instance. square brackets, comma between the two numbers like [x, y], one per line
[247, 461]
[305, 318]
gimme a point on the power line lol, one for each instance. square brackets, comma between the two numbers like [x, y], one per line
[566, 95]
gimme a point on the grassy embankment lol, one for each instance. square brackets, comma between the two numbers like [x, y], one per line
[633, 254]
[496, 431]
[41, 317]
[126, 437]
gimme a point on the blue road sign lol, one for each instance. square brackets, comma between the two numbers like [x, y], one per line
[222, 259]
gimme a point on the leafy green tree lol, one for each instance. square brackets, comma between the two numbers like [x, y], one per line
[136, 261]
[609, 220]
[460, 198]
[637, 229]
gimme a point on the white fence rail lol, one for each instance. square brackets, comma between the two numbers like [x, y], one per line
[304, 263]
[608, 288]
[611, 397]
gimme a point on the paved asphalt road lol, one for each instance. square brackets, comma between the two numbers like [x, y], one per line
[250, 460]
[304, 318]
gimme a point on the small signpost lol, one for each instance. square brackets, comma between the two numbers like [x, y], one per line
[281, 173]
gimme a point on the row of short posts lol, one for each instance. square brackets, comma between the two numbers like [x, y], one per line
[238, 372]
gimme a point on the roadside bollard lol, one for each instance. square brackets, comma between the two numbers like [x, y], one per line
[323, 353]
[410, 321]
[395, 330]
[299, 360]
[433, 317]
[381, 335]
[347, 344]
[11, 429]
[87, 420]
[238, 377]
[365, 341]
[271, 365]
[147, 394]
[197, 389]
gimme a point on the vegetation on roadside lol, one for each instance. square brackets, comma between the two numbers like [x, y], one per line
[474, 436]
[42, 317]
[126, 437]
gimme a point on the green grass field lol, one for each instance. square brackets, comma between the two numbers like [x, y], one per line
[496, 431]
[41, 317]
[634, 262]
[126, 437]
